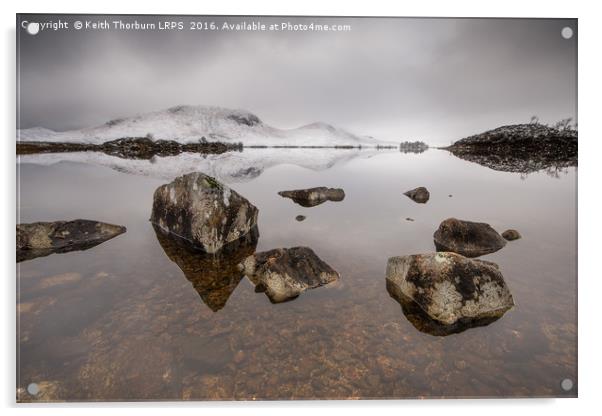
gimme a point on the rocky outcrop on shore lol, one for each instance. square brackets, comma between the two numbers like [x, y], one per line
[413, 147]
[203, 212]
[520, 148]
[40, 239]
[314, 196]
[470, 239]
[285, 273]
[131, 147]
[451, 289]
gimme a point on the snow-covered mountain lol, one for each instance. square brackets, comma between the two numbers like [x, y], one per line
[187, 124]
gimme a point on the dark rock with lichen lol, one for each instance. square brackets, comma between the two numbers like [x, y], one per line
[203, 212]
[511, 235]
[470, 239]
[40, 239]
[285, 273]
[523, 148]
[314, 196]
[450, 288]
[213, 276]
[420, 195]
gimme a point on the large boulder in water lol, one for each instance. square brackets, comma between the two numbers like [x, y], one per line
[314, 196]
[43, 238]
[202, 211]
[285, 273]
[471, 239]
[450, 288]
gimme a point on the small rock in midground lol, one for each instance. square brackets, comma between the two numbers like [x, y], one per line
[202, 211]
[420, 195]
[471, 239]
[43, 238]
[314, 196]
[511, 235]
[285, 273]
[450, 288]
[409, 219]
[300, 217]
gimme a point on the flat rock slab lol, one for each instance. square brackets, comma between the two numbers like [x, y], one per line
[450, 288]
[285, 273]
[419, 195]
[314, 196]
[40, 239]
[470, 239]
[202, 211]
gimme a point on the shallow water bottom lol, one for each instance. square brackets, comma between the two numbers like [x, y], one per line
[122, 321]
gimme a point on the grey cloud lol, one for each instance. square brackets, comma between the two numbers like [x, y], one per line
[394, 78]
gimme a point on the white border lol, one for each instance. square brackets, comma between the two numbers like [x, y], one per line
[590, 290]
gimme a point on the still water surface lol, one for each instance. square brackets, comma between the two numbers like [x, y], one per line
[122, 322]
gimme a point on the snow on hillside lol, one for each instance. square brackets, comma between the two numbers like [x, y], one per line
[229, 167]
[189, 123]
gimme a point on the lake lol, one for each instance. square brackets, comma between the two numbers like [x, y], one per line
[121, 321]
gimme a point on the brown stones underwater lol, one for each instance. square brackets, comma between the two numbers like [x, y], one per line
[454, 291]
[213, 276]
[470, 239]
[284, 273]
[41, 239]
[511, 235]
[312, 197]
[419, 195]
[202, 211]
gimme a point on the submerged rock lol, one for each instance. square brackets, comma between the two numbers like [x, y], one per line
[40, 239]
[202, 211]
[511, 235]
[300, 218]
[213, 276]
[449, 288]
[314, 196]
[285, 273]
[471, 239]
[420, 195]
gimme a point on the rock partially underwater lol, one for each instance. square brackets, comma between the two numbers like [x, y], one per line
[424, 323]
[511, 235]
[202, 211]
[470, 239]
[40, 239]
[314, 196]
[213, 276]
[452, 290]
[419, 195]
[285, 273]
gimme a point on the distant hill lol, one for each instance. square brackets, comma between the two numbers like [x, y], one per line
[187, 124]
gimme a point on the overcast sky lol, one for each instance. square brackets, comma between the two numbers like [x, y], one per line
[436, 80]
